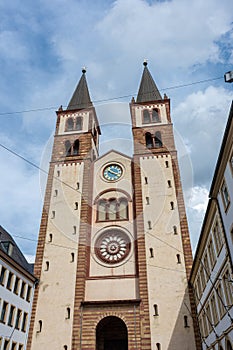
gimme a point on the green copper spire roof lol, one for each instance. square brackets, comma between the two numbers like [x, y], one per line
[81, 98]
[148, 90]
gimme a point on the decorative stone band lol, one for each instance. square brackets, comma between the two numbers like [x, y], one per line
[112, 246]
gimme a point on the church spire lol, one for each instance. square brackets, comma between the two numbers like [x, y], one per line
[81, 97]
[148, 90]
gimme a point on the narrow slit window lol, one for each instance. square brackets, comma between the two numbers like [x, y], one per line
[175, 230]
[22, 292]
[172, 205]
[151, 253]
[65, 347]
[76, 206]
[77, 186]
[29, 292]
[158, 346]
[11, 316]
[18, 319]
[55, 193]
[147, 200]
[58, 173]
[186, 325]
[68, 313]
[16, 286]
[50, 237]
[9, 280]
[3, 275]
[53, 214]
[169, 183]
[149, 225]
[39, 326]
[166, 164]
[74, 230]
[178, 259]
[47, 266]
[156, 312]
[72, 257]
[146, 180]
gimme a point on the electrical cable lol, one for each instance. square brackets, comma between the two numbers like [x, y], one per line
[112, 98]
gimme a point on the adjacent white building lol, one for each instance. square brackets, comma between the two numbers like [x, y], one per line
[211, 275]
[16, 294]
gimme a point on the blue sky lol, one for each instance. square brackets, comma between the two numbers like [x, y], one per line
[43, 46]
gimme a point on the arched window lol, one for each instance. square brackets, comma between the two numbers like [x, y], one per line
[102, 210]
[69, 124]
[78, 123]
[149, 141]
[123, 209]
[178, 259]
[112, 209]
[76, 148]
[68, 148]
[158, 346]
[155, 116]
[156, 312]
[158, 140]
[146, 116]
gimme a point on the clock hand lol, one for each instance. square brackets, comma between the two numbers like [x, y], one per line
[113, 172]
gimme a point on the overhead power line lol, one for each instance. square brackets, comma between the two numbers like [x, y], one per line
[112, 98]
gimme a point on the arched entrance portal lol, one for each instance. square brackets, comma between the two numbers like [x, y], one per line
[111, 334]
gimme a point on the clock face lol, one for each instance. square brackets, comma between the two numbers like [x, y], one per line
[112, 172]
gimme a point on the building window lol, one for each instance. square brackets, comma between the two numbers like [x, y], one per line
[74, 230]
[65, 347]
[146, 181]
[29, 291]
[156, 312]
[76, 148]
[155, 116]
[76, 206]
[211, 253]
[151, 252]
[18, 319]
[50, 237]
[55, 193]
[22, 292]
[225, 195]
[11, 316]
[166, 164]
[175, 230]
[217, 237]
[227, 285]
[202, 277]
[112, 209]
[72, 257]
[6, 344]
[169, 183]
[220, 300]
[69, 124]
[53, 214]
[47, 266]
[9, 280]
[4, 312]
[77, 186]
[58, 173]
[14, 346]
[78, 123]
[20, 347]
[146, 116]
[24, 322]
[149, 225]
[172, 205]
[149, 140]
[16, 286]
[68, 313]
[186, 324]
[147, 200]
[231, 163]
[214, 309]
[68, 148]
[207, 267]
[3, 276]
[158, 140]
[178, 258]
[39, 326]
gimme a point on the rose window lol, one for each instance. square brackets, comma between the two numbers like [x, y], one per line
[112, 246]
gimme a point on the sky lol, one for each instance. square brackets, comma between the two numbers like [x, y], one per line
[43, 47]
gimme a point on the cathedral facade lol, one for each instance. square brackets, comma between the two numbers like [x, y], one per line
[114, 255]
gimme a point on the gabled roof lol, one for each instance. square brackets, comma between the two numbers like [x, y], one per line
[81, 97]
[148, 90]
[16, 254]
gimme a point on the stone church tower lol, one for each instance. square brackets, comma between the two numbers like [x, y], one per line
[114, 253]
